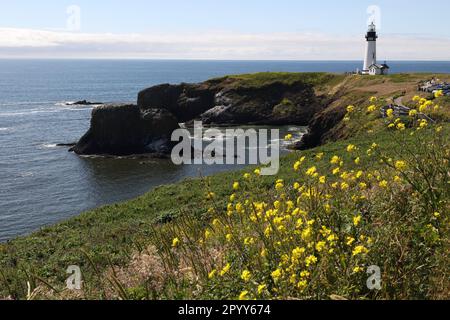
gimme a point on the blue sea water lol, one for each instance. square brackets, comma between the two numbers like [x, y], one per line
[41, 184]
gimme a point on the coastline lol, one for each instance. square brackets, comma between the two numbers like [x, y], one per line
[112, 230]
[326, 134]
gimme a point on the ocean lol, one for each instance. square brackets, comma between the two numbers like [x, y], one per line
[42, 184]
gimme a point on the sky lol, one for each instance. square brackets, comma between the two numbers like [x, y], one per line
[223, 29]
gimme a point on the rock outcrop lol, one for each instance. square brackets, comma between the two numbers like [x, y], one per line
[321, 129]
[222, 103]
[125, 130]
[260, 99]
[83, 103]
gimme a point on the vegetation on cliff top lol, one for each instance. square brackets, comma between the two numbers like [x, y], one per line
[380, 198]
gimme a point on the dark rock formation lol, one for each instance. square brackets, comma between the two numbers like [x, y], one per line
[83, 103]
[125, 130]
[185, 101]
[273, 104]
[261, 99]
[219, 103]
[321, 128]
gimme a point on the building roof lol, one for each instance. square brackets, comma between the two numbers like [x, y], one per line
[379, 66]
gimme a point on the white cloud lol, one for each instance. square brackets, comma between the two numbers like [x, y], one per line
[29, 43]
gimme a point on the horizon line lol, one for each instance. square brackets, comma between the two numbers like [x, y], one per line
[211, 59]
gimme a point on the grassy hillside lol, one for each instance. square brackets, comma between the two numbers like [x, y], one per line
[379, 198]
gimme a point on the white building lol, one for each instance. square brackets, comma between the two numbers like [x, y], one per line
[371, 66]
[379, 69]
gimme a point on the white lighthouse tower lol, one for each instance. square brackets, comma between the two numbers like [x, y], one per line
[371, 49]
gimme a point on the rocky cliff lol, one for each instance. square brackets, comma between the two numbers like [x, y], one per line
[259, 99]
[125, 130]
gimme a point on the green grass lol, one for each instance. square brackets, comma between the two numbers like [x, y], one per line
[258, 80]
[110, 233]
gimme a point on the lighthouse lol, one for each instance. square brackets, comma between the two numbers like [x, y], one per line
[371, 48]
[371, 67]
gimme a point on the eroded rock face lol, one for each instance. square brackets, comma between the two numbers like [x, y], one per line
[223, 104]
[185, 101]
[147, 127]
[125, 130]
[274, 104]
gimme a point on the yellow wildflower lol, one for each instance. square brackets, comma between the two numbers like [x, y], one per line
[246, 275]
[383, 184]
[356, 220]
[257, 172]
[225, 269]
[351, 148]
[390, 113]
[400, 165]
[358, 270]
[360, 250]
[306, 234]
[298, 252]
[310, 260]
[276, 275]
[263, 253]
[311, 171]
[212, 274]
[243, 295]
[301, 285]
[371, 108]
[413, 113]
[373, 99]
[350, 240]
[322, 180]
[305, 274]
[320, 246]
[288, 137]
[350, 109]
[438, 93]
[249, 241]
[175, 242]
[335, 160]
[229, 237]
[261, 288]
[423, 124]
[344, 186]
[236, 186]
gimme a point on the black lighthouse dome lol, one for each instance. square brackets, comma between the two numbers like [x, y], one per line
[372, 33]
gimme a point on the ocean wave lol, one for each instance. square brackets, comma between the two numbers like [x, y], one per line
[26, 174]
[49, 145]
[25, 103]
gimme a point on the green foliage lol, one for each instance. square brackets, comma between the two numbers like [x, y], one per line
[409, 240]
